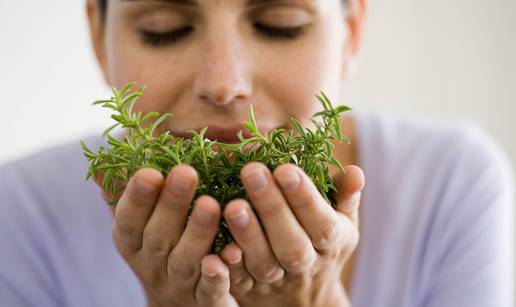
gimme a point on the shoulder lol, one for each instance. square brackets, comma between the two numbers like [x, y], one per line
[434, 167]
[442, 192]
[62, 166]
[51, 220]
[427, 149]
[49, 162]
[47, 186]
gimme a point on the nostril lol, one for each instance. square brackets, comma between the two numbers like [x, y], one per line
[217, 100]
[222, 88]
[223, 97]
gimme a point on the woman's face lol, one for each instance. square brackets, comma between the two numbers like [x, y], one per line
[206, 61]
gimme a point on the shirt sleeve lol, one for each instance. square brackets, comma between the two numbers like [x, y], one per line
[26, 279]
[474, 267]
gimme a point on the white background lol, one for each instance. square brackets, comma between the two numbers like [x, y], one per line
[441, 58]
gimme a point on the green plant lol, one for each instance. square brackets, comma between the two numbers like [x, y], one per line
[218, 170]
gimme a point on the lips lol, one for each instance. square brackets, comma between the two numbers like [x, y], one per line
[227, 134]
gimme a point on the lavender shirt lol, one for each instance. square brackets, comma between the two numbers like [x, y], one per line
[436, 223]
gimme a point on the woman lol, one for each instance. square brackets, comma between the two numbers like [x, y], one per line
[432, 223]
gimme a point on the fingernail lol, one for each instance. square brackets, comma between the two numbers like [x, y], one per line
[217, 276]
[240, 219]
[234, 260]
[144, 186]
[203, 217]
[180, 184]
[208, 274]
[290, 180]
[256, 180]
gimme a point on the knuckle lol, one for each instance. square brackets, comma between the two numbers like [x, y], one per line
[126, 236]
[125, 228]
[307, 200]
[266, 273]
[355, 201]
[212, 290]
[313, 199]
[353, 239]
[296, 261]
[178, 205]
[209, 295]
[155, 280]
[181, 272]
[215, 281]
[199, 234]
[241, 285]
[271, 210]
[122, 248]
[298, 281]
[329, 238]
[155, 244]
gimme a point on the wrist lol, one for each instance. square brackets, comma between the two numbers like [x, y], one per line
[336, 297]
[152, 300]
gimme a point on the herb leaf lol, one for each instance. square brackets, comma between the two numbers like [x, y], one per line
[218, 170]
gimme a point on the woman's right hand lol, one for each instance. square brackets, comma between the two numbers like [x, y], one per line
[173, 262]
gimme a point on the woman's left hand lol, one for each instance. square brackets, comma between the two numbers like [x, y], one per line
[296, 258]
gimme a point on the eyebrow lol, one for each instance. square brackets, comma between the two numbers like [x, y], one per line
[259, 2]
[184, 2]
[194, 2]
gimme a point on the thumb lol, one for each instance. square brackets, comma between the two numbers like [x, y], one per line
[213, 286]
[349, 186]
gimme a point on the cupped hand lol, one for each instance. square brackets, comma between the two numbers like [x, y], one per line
[171, 256]
[297, 255]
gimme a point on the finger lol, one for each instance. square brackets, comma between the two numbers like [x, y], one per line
[241, 280]
[349, 189]
[318, 218]
[213, 287]
[196, 241]
[289, 242]
[168, 219]
[109, 198]
[246, 230]
[134, 209]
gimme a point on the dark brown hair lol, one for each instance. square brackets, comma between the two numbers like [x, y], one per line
[103, 7]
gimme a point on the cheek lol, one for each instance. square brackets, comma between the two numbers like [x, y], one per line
[295, 75]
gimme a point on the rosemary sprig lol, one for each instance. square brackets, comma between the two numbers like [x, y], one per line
[218, 170]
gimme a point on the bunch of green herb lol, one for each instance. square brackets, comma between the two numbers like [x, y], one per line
[217, 164]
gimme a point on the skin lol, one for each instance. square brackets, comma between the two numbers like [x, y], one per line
[303, 254]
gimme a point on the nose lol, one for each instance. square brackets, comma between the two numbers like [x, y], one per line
[223, 74]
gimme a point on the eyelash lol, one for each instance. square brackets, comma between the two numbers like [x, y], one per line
[161, 39]
[279, 33]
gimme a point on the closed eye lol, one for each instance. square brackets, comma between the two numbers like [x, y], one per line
[159, 39]
[279, 32]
